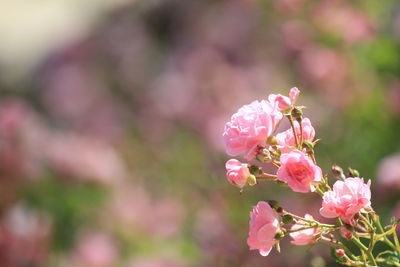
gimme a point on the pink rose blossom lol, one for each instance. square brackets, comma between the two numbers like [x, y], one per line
[286, 139]
[299, 171]
[264, 224]
[284, 102]
[346, 199]
[238, 173]
[250, 127]
[306, 236]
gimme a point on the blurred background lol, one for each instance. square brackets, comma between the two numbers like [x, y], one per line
[111, 116]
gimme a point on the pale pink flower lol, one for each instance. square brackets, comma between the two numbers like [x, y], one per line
[299, 171]
[346, 199]
[286, 140]
[264, 225]
[284, 102]
[250, 127]
[237, 172]
[306, 236]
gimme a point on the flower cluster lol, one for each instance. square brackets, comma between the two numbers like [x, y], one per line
[252, 134]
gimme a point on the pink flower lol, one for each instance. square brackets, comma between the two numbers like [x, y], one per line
[250, 127]
[299, 171]
[346, 199]
[306, 236]
[238, 173]
[286, 140]
[284, 102]
[264, 224]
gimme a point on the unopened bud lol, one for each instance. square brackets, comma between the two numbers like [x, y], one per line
[275, 205]
[252, 180]
[346, 231]
[279, 235]
[340, 252]
[337, 172]
[297, 114]
[287, 219]
[255, 170]
[308, 146]
[353, 173]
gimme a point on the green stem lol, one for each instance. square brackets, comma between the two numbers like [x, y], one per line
[296, 138]
[364, 249]
[387, 241]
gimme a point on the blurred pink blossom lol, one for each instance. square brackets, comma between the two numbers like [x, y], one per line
[350, 24]
[85, 157]
[389, 172]
[96, 250]
[22, 138]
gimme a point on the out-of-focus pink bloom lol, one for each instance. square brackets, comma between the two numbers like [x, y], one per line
[237, 172]
[345, 233]
[322, 65]
[389, 172]
[97, 250]
[306, 236]
[22, 138]
[130, 208]
[286, 140]
[289, 5]
[154, 262]
[350, 24]
[299, 171]
[393, 95]
[217, 241]
[284, 102]
[250, 127]
[264, 225]
[24, 237]
[85, 158]
[346, 199]
[295, 35]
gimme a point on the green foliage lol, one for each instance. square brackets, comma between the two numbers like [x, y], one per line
[69, 203]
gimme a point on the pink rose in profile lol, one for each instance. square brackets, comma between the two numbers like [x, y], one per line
[306, 236]
[286, 140]
[346, 199]
[250, 127]
[299, 171]
[284, 102]
[237, 172]
[264, 224]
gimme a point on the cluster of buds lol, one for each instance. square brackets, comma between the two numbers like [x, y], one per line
[251, 133]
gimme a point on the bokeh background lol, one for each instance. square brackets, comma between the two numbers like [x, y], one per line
[111, 115]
